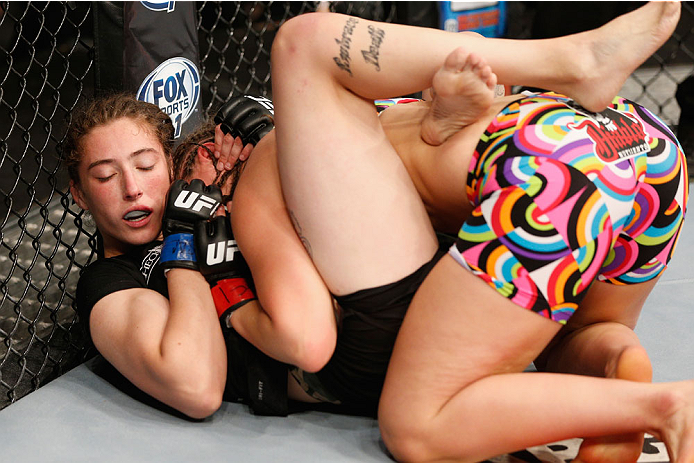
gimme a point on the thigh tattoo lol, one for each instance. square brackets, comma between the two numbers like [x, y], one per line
[343, 61]
[300, 233]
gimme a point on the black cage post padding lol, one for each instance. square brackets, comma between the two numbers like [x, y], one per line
[133, 39]
[108, 46]
[58, 54]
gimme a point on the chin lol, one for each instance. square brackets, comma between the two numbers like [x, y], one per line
[149, 238]
[142, 237]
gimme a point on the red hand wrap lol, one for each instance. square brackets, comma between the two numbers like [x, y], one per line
[230, 292]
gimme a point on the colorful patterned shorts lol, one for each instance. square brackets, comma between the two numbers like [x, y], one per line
[563, 196]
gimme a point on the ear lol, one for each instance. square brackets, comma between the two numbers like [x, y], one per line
[77, 195]
[205, 155]
[204, 165]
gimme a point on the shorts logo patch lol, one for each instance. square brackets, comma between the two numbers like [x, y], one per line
[617, 135]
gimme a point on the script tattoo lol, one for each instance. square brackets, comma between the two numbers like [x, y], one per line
[300, 233]
[371, 55]
[344, 60]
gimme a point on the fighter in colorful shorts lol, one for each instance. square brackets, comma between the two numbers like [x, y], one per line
[563, 196]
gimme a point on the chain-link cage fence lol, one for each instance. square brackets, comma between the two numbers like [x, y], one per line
[48, 69]
[45, 240]
[235, 40]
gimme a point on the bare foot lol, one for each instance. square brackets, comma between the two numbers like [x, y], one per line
[632, 364]
[463, 90]
[605, 57]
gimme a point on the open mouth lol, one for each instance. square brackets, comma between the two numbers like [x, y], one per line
[134, 216]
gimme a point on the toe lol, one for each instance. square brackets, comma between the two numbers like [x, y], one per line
[456, 60]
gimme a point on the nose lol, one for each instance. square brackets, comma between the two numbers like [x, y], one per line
[131, 187]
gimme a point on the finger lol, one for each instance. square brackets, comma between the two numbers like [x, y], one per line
[220, 211]
[218, 138]
[234, 153]
[246, 152]
[225, 151]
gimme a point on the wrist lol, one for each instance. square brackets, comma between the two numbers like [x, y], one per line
[229, 295]
[178, 251]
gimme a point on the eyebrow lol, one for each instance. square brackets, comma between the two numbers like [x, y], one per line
[109, 161]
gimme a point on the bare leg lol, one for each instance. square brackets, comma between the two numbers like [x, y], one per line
[463, 90]
[350, 197]
[632, 364]
[324, 63]
[609, 350]
[589, 67]
[648, 27]
[455, 371]
[454, 368]
[599, 341]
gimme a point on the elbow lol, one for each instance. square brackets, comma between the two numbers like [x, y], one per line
[200, 403]
[310, 339]
[196, 394]
[204, 409]
[313, 361]
[312, 349]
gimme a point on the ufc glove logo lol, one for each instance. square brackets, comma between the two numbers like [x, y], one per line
[222, 251]
[264, 102]
[195, 201]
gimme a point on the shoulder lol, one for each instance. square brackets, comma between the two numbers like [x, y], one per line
[105, 276]
[258, 195]
[110, 275]
[124, 308]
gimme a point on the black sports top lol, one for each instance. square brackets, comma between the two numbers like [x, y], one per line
[252, 377]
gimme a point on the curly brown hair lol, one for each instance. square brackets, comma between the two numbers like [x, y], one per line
[184, 157]
[104, 110]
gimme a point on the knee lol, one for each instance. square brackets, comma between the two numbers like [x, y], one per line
[402, 441]
[418, 429]
[295, 40]
[403, 433]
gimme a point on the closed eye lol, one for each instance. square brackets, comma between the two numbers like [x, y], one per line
[105, 179]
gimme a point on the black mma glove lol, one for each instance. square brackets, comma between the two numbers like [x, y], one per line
[223, 266]
[185, 205]
[248, 117]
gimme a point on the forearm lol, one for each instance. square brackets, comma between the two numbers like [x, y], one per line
[286, 342]
[192, 344]
[257, 327]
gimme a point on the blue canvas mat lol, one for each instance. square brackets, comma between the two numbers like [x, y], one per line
[82, 417]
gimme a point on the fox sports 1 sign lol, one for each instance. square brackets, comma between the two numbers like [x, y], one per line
[174, 86]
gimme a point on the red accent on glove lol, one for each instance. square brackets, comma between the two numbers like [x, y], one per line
[229, 293]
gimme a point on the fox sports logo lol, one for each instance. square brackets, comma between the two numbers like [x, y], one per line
[174, 86]
[167, 6]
